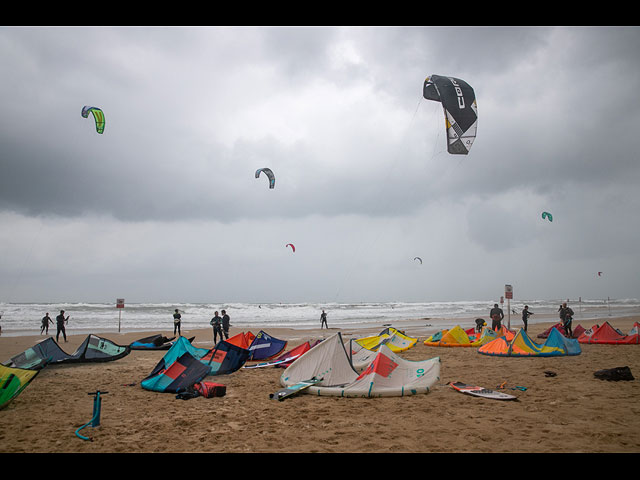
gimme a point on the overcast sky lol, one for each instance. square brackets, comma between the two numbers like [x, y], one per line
[165, 206]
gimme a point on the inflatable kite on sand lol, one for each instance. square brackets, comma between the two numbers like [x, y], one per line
[388, 375]
[265, 347]
[12, 382]
[287, 358]
[47, 352]
[606, 334]
[523, 346]
[155, 342]
[185, 365]
[391, 337]
[364, 350]
[457, 337]
[577, 331]
[242, 339]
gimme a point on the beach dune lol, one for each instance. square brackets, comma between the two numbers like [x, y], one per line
[572, 411]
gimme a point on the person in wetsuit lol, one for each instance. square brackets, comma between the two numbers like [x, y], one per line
[496, 315]
[177, 319]
[44, 327]
[225, 323]
[60, 321]
[216, 323]
[525, 316]
[323, 320]
[566, 315]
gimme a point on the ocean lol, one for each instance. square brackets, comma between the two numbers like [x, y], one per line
[25, 318]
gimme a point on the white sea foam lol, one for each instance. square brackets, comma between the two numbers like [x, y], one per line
[25, 318]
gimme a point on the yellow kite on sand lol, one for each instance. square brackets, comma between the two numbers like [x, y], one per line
[396, 340]
[457, 337]
[13, 381]
[364, 350]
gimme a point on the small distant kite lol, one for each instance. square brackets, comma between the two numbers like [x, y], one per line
[418, 258]
[599, 274]
[98, 116]
[460, 110]
[292, 246]
[269, 174]
[548, 216]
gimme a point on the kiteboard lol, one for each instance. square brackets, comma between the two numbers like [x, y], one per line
[481, 392]
[293, 389]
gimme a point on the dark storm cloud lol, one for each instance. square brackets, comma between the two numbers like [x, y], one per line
[542, 94]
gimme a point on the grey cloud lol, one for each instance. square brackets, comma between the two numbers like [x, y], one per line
[337, 113]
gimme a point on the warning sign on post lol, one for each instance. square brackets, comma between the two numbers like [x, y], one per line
[508, 291]
[120, 303]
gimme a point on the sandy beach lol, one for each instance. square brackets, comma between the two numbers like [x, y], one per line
[570, 412]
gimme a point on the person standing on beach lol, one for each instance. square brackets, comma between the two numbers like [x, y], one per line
[225, 324]
[44, 327]
[525, 316]
[566, 315]
[323, 320]
[496, 315]
[177, 319]
[216, 323]
[60, 321]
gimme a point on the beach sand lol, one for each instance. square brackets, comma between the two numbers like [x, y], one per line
[571, 412]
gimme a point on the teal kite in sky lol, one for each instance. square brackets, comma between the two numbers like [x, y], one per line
[548, 216]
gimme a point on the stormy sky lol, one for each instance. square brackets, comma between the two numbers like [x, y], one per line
[165, 206]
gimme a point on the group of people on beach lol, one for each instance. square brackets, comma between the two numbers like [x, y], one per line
[220, 326]
[219, 323]
[497, 315]
[61, 321]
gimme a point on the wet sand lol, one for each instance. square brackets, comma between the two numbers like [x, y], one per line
[570, 412]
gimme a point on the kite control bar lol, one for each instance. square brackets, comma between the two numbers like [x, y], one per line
[95, 421]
